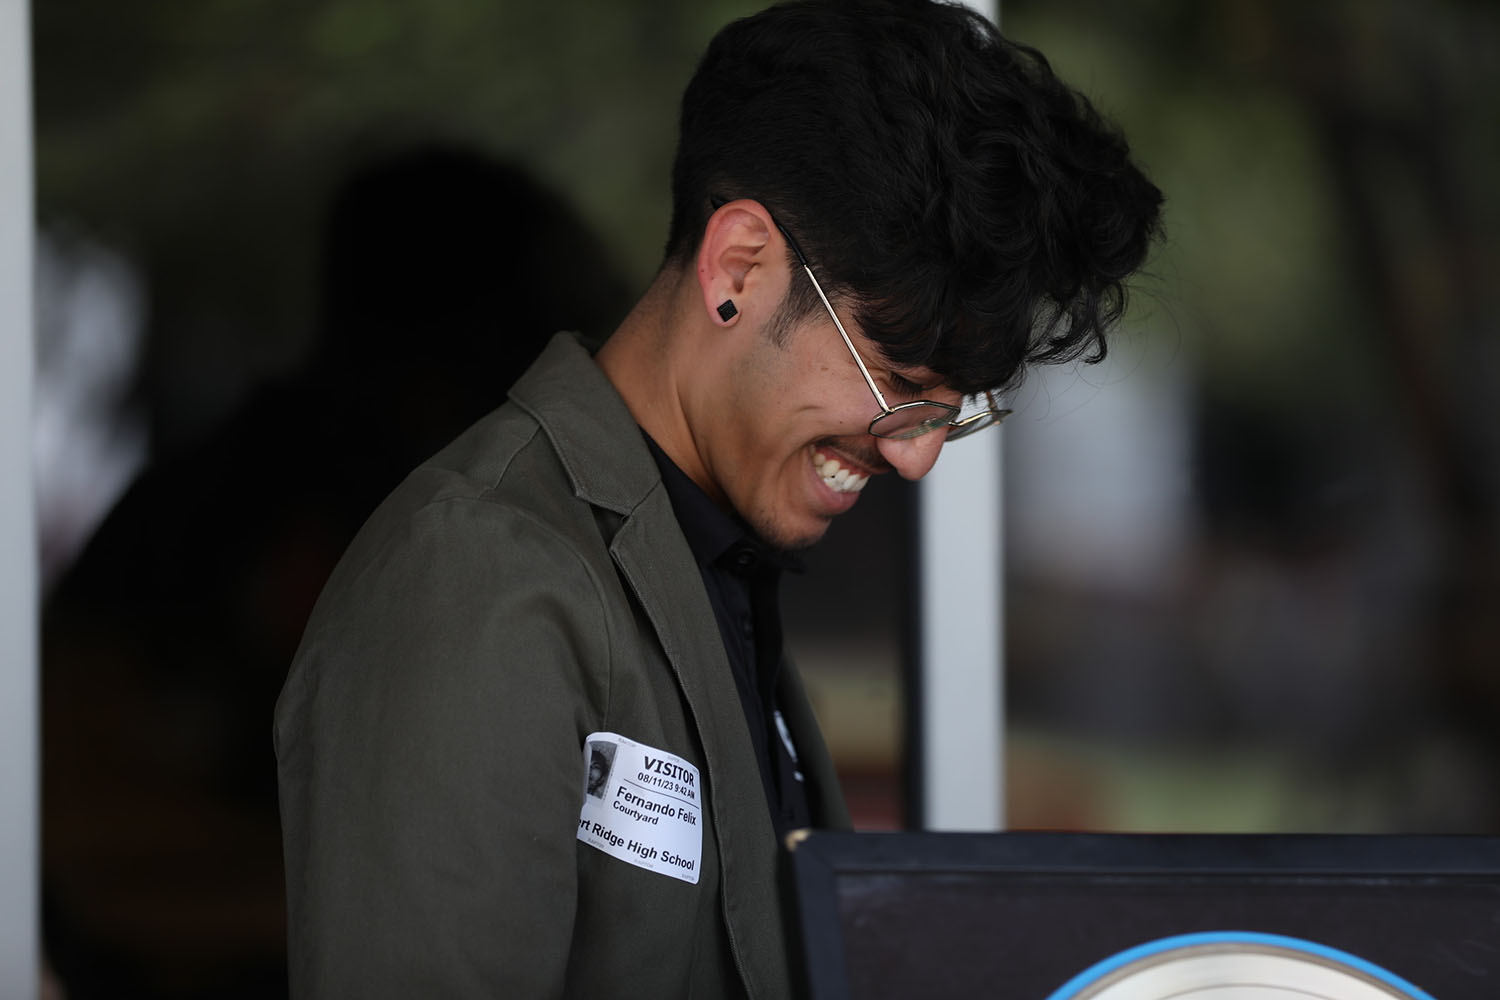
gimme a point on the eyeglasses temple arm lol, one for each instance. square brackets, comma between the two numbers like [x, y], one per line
[719, 203]
[879, 398]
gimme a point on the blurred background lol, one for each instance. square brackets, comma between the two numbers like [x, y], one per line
[287, 250]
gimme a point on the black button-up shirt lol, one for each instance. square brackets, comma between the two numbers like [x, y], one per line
[741, 574]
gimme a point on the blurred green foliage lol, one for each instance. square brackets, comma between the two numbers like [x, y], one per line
[1330, 288]
[205, 140]
[1311, 154]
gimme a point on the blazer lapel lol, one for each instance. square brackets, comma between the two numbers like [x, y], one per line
[656, 562]
[610, 466]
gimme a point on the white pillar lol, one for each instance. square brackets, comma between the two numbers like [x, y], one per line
[961, 656]
[19, 952]
[962, 631]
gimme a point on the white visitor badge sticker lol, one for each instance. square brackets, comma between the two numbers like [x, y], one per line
[642, 805]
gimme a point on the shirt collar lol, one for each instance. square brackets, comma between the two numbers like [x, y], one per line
[715, 536]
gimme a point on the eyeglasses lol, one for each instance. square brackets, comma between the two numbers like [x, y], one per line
[907, 420]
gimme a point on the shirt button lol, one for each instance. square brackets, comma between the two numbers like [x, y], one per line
[747, 626]
[744, 559]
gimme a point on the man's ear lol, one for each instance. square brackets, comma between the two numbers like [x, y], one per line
[738, 243]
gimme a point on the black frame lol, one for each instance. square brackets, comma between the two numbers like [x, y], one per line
[1432, 903]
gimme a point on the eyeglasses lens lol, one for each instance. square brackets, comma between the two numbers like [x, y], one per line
[912, 420]
[915, 419]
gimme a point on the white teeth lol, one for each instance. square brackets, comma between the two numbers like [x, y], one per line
[838, 478]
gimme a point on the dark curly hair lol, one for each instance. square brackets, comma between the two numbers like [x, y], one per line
[973, 211]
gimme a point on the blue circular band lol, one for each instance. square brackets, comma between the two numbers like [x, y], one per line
[1098, 971]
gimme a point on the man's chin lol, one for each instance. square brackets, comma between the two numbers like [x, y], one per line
[790, 539]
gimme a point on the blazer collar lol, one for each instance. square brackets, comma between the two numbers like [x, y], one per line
[589, 425]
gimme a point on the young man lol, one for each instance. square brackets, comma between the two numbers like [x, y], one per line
[539, 739]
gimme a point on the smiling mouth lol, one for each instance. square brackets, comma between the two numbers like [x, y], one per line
[835, 476]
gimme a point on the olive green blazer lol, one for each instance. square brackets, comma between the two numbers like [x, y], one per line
[526, 587]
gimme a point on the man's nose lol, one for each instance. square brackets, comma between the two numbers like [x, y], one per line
[913, 458]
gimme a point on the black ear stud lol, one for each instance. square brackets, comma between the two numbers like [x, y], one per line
[727, 311]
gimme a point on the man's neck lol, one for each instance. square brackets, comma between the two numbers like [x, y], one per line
[648, 359]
